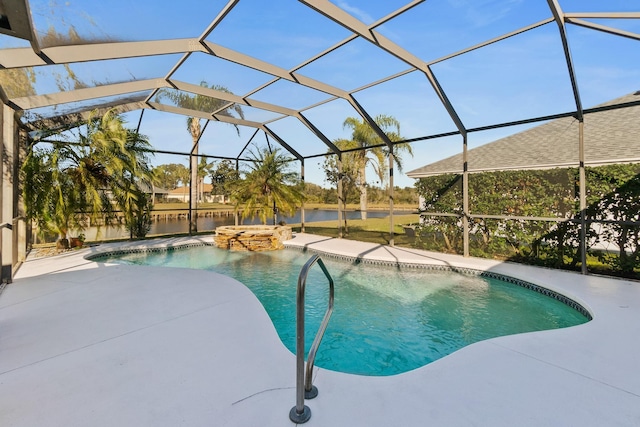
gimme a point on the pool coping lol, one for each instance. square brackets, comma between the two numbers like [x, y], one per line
[565, 299]
[582, 375]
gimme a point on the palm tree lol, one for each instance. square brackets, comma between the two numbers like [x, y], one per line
[204, 169]
[129, 194]
[345, 173]
[194, 127]
[268, 185]
[86, 176]
[373, 151]
[49, 195]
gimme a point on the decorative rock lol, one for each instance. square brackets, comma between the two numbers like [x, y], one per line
[252, 237]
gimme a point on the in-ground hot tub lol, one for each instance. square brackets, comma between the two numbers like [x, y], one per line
[251, 237]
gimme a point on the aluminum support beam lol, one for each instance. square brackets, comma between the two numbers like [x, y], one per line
[604, 28]
[38, 101]
[492, 41]
[465, 198]
[341, 200]
[318, 133]
[341, 17]
[559, 17]
[26, 57]
[51, 125]
[202, 115]
[391, 232]
[7, 152]
[18, 19]
[302, 203]
[265, 67]
[226, 96]
[199, 42]
[602, 15]
[282, 142]
[583, 199]
[218, 19]
[371, 122]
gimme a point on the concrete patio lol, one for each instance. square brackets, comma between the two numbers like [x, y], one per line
[86, 343]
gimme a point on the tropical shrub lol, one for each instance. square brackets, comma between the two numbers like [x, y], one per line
[613, 216]
[70, 182]
[268, 186]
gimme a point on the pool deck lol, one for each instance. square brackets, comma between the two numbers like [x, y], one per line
[85, 343]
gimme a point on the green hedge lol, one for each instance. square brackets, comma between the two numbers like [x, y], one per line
[613, 212]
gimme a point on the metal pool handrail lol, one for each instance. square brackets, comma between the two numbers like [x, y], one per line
[304, 380]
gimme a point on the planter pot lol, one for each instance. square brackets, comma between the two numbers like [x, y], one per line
[74, 242]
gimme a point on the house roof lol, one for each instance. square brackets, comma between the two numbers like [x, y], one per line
[609, 136]
[155, 189]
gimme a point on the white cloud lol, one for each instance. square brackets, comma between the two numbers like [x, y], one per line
[358, 13]
[481, 13]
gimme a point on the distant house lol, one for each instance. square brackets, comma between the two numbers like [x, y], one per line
[181, 194]
[610, 136]
[155, 192]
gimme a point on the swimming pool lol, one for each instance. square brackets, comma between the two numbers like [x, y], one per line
[386, 320]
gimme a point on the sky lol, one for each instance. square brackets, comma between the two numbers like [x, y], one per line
[517, 78]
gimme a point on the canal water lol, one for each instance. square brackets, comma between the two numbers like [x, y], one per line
[177, 226]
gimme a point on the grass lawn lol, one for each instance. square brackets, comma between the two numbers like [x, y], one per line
[373, 230]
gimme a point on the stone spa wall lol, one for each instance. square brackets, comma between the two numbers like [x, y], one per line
[251, 237]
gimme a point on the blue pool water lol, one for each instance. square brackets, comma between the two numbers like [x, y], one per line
[385, 320]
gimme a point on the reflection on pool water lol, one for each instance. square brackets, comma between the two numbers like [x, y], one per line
[386, 320]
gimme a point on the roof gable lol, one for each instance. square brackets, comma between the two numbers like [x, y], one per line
[610, 136]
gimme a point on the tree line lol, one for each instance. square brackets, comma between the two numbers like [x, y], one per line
[222, 174]
[99, 170]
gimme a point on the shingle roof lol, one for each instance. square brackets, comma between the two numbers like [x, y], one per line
[155, 189]
[612, 135]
